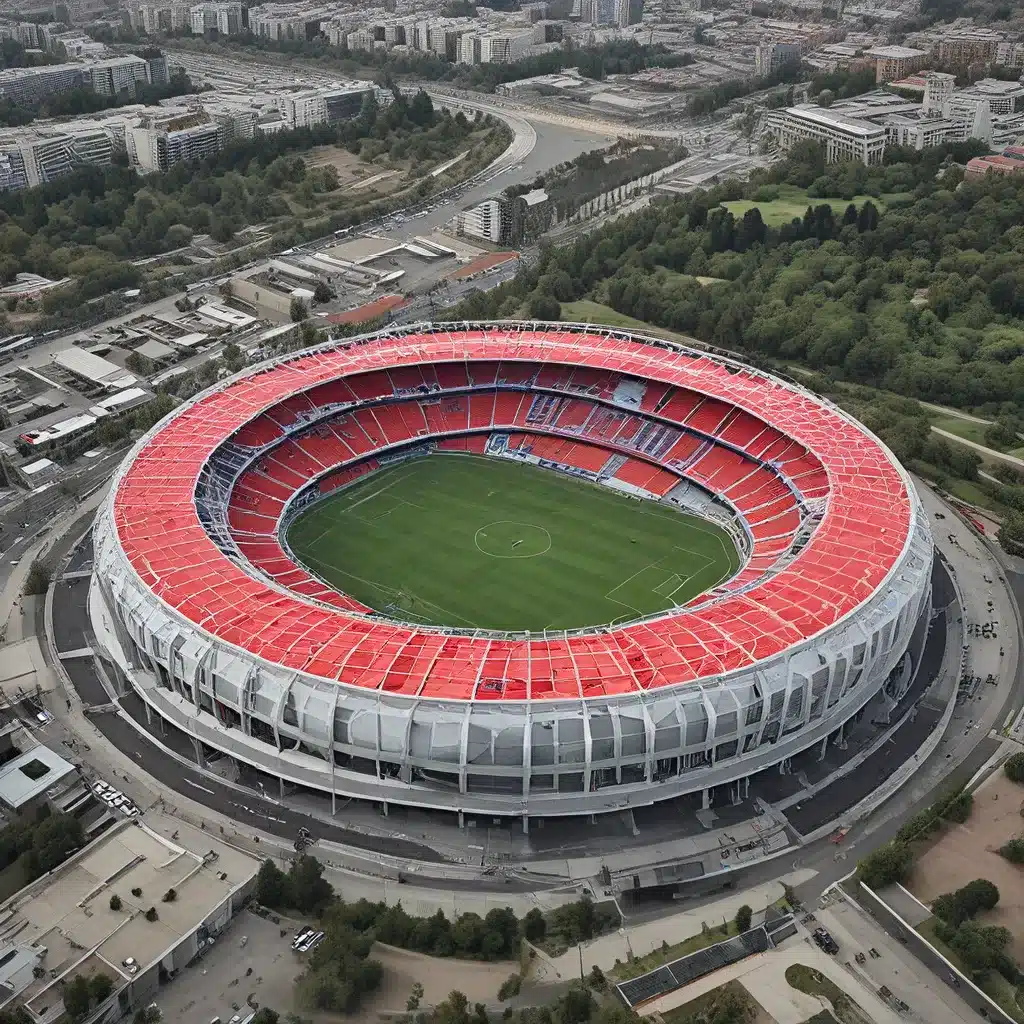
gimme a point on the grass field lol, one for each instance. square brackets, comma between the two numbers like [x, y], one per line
[474, 542]
[793, 202]
[586, 311]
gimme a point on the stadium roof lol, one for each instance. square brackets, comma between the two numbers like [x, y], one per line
[864, 529]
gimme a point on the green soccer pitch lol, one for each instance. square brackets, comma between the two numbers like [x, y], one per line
[468, 541]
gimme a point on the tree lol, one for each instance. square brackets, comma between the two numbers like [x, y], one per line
[1014, 768]
[265, 1015]
[544, 307]
[888, 864]
[139, 364]
[322, 293]
[100, 986]
[115, 902]
[826, 98]
[743, 918]
[77, 997]
[413, 1002]
[54, 840]
[956, 907]
[534, 925]
[307, 888]
[596, 978]
[299, 310]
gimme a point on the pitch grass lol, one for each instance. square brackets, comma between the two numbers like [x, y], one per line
[468, 541]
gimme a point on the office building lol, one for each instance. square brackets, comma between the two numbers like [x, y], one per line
[843, 137]
[938, 90]
[323, 104]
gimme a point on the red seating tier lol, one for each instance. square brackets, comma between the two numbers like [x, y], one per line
[862, 532]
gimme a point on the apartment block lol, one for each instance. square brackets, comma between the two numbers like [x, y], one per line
[895, 62]
[117, 75]
[172, 136]
[771, 56]
[30, 85]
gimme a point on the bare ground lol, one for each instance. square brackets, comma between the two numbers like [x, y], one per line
[968, 851]
[215, 985]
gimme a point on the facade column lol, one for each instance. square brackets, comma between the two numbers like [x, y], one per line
[526, 824]
[384, 808]
[462, 819]
[824, 749]
[197, 749]
[705, 799]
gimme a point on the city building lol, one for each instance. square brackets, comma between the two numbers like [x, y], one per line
[30, 85]
[323, 104]
[894, 62]
[964, 47]
[170, 136]
[1010, 55]
[770, 57]
[487, 220]
[47, 938]
[938, 91]
[117, 75]
[227, 19]
[844, 137]
[1010, 161]
[40, 778]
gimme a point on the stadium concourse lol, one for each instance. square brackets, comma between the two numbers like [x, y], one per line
[206, 617]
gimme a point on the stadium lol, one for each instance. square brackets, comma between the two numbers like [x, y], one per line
[515, 569]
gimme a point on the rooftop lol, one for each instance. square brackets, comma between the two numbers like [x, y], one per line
[69, 912]
[895, 52]
[30, 775]
[835, 119]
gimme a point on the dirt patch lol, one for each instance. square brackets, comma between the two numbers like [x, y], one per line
[218, 983]
[968, 851]
[349, 167]
[479, 981]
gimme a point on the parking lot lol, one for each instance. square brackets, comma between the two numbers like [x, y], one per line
[219, 983]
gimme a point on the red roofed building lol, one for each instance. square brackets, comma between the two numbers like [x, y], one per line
[1010, 161]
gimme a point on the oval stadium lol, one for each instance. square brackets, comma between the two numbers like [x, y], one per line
[515, 569]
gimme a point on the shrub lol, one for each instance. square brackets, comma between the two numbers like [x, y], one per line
[510, 987]
[115, 902]
[1013, 851]
[151, 914]
[136, 891]
[959, 808]
[1014, 768]
[170, 896]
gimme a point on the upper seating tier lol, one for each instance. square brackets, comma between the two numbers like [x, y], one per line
[864, 528]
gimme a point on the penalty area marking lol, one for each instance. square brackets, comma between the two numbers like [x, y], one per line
[482, 532]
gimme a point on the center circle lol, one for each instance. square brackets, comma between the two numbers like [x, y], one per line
[507, 538]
